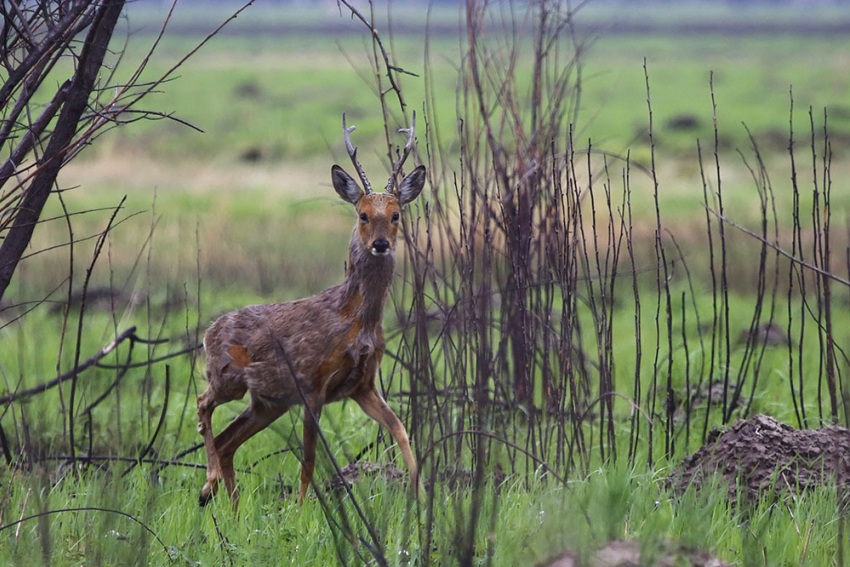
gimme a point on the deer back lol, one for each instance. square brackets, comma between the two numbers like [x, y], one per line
[323, 337]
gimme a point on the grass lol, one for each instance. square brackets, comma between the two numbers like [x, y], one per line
[535, 522]
[244, 213]
[243, 88]
[536, 518]
[272, 123]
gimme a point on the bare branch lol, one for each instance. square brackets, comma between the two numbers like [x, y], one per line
[408, 147]
[777, 248]
[91, 60]
[111, 115]
[128, 334]
[377, 38]
[28, 141]
[72, 23]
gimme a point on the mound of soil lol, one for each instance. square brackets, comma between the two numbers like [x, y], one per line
[364, 470]
[760, 453]
[628, 554]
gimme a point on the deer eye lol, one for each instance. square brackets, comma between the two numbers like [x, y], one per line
[363, 217]
[395, 217]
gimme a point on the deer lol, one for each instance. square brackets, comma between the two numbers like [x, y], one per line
[317, 350]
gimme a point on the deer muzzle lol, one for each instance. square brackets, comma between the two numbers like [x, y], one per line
[380, 247]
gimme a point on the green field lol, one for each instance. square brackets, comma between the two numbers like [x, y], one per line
[245, 213]
[270, 106]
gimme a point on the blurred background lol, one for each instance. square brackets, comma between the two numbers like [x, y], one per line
[270, 90]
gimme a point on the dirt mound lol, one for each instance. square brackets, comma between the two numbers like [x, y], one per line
[760, 453]
[453, 479]
[364, 470]
[629, 554]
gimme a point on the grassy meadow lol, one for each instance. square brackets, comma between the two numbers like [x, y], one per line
[244, 213]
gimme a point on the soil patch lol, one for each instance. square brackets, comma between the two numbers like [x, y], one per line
[364, 470]
[359, 471]
[629, 554]
[761, 454]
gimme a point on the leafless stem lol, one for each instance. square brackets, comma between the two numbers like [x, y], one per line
[392, 184]
[128, 334]
[776, 247]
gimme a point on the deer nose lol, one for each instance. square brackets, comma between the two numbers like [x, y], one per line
[380, 246]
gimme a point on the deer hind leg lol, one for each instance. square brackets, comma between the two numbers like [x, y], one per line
[252, 420]
[375, 407]
[207, 402]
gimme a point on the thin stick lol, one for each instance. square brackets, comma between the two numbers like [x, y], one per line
[149, 446]
[778, 249]
[392, 183]
[128, 334]
[23, 511]
[806, 543]
[93, 509]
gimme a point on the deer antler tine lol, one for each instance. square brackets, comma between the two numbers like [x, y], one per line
[352, 153]
[408, 147]
[411, 131]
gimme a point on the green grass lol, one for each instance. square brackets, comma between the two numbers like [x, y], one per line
[536, 518]
[284, 92]
[278, 98]
[272, 230]
[535, 522]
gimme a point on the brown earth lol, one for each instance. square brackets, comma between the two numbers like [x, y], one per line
[761, 454]
[453, 479]
[629, 554]
[364, 470]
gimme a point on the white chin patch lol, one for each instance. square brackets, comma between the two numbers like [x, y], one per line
[376, 253]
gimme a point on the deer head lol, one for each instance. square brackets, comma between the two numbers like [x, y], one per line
[378, 213]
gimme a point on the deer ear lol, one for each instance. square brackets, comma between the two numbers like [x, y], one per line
[411, 186]
[345, 186]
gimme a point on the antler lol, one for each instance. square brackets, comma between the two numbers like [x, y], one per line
[352, 153]
[391, 184]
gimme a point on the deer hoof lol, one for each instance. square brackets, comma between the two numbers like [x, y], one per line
[205, 496]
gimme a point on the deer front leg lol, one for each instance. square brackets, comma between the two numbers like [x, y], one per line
[312, 412]
[375, 407]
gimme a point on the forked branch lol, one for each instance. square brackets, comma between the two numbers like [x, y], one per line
[13, 396]
[408, 147]
[352, 153]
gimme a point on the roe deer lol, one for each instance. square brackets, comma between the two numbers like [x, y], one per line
[332, 343]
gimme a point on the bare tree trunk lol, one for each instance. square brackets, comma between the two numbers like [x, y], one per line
[29, 210]
[519, 237]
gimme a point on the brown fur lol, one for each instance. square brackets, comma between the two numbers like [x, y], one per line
[333, 339]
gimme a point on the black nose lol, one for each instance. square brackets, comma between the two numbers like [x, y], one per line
[380, 245]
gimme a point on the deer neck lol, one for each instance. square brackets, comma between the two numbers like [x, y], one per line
[366, 286]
